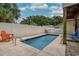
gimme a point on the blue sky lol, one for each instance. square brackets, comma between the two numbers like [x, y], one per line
[46, 9]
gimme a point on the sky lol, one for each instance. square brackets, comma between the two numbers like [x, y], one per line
[45, 9]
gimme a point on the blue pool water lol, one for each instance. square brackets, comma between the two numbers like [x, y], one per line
[41, 41]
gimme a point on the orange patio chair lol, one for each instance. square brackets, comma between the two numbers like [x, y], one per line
[6, 37]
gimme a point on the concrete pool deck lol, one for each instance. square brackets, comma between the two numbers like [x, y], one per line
[55, 48]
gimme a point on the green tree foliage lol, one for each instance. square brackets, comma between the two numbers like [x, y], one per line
[42, 20]
[8, 12]
[57, 20]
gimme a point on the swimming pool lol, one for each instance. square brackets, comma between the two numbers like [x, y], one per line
[40, 42]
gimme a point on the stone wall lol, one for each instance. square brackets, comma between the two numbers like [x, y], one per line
[21, 29]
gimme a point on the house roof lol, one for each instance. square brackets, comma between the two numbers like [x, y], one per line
[72, 10]
[67, 4]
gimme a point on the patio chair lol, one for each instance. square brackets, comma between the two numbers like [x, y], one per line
[6, 37]
[74, 36]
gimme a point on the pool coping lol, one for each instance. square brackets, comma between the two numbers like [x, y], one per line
[33, 48]
[26, 38]
[38, 37]
[47, 49]
[55, 48]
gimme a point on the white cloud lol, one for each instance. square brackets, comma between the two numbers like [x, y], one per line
[56, 11]
[35, 6]
[51, 15]
[19, 20]
[38, 6]
[24, 8]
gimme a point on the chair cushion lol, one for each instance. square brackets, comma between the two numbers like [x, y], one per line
[5, 36]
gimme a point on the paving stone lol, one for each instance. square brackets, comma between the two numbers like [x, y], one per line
[72, 49]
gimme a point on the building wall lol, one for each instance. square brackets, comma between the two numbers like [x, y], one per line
[70, 26]
[21, 30]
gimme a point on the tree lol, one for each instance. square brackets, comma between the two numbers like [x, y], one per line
[9, 12]
[57, 20]
[42, 20]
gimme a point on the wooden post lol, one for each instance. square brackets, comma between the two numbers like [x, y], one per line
[64, 28]
[75, 25]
